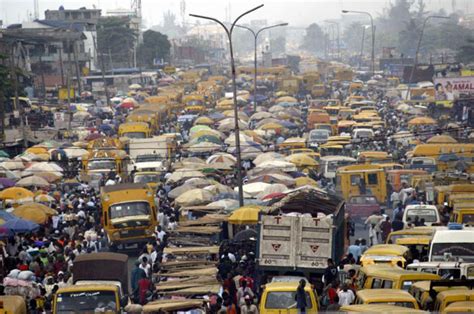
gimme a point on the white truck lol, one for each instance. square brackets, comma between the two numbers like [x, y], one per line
[300, 243]
[151, 154]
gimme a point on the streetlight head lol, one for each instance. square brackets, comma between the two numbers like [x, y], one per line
[345, 11]
[283, 24]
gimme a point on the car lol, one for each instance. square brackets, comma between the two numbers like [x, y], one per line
[428, 212]
[318, 137]
[362, 206]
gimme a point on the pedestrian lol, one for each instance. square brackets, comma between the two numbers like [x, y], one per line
[398, 224]
[330, 273]
[248, 307]
[300, 297]
[144, 289]
[373, 235]
[346, 296]
[242, 292]
[136, 275]
[386, 228]
[354, 249]
[334, 307]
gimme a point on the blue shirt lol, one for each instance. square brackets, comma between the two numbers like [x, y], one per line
[355, 251]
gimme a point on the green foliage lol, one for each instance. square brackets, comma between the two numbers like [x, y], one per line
[6, 87]
[466, 52]
[314, 39]
[116, 40]
[154, 46]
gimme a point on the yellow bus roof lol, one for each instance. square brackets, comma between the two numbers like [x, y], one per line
[377, 308]
[386, 249]
[385, 295]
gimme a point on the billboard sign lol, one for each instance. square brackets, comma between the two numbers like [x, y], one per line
[449, 88]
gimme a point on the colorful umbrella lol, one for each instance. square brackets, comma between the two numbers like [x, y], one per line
[37, 216]
[6, 183]
[18, 225]
[16, 193]
[246, 215]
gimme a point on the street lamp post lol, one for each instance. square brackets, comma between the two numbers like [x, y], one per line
[338, 38]
[255, 36]
[234, 86]
[373, 34]
[415, 63]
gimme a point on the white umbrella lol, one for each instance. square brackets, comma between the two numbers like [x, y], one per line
[229, 124]
[12, 165]
[261, 115]
[251, 190]
[75, 152]
[277, 164]
[273, 188]
[221, 157]
[204, 147]
[43, 167]
[249, 152]
[183, 174]
[194, 197]
[32, 181]
[226, 204]
[268, 156]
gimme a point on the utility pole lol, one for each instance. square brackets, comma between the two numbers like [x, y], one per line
[16, 104]
[61, 65]
[2, 116]
[102, 68]
[68, 84]
[43, 85]
[78, 71]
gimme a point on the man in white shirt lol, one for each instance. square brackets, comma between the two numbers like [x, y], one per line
[346, 296]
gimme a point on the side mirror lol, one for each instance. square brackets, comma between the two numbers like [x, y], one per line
[124, 301]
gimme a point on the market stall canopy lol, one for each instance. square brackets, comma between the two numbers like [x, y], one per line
[302, 160]
[44, 198]
[204, 147]
[16, 193]
[222, 158]
[204, 121]
[246, 215]
[422, 121]
[271, 178]
[74, 152]
[268, 156]
[194, 197]
[277, 164]
[36, 216]
[251, 190]
[13, 165]
[287, 99]
[261, 115]
[441, 139]
[33, 181]
[6, 183]
[18, 225]
[183, 174]
[272, 189]
[302, 181]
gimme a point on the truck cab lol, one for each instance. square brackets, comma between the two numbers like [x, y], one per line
[129, 214]
[100, 284]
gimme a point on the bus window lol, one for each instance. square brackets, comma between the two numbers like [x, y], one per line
[372, 178]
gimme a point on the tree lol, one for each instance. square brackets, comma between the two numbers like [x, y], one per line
[466, 52]
[155, 45]
[352, 37]
[314, 39]
[116, 40]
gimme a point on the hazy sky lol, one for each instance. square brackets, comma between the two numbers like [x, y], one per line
[296, 12]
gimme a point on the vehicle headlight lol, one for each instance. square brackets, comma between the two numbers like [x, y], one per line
[148, 232]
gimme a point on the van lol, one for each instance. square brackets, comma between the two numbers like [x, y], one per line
[363, 179]
[452, 245]
[386, 296]
[425, 291]
[391, 254]
[415, 232]
[362, 134]
[429, 213]
[463, 213]
[445, 298]
[447, 270]
[280, 296]
[330, 164]
[390, 277]
[423, 163]
[318, 137]
[377, 308]
[397, 177]
[460, 307]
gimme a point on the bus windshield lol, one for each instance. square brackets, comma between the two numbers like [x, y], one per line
[135, 135]
[464, 251]
[97, 164]
[129, 209]
[90, 301]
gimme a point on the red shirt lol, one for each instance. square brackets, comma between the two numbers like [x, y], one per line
[249, 281]
[144, 285]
